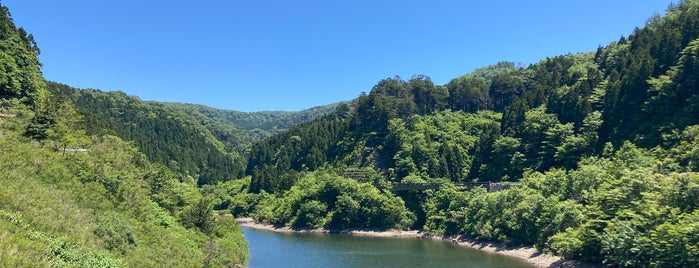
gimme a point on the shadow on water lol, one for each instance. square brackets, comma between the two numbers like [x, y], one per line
[271, 249]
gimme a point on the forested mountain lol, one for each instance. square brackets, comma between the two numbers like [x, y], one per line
[602, 150]
[69, 199]
[255, 125]
[603, 145]
[551, 114]
[202, 142]
[164, 134]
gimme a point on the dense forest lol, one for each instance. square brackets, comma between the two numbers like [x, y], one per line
[600, 147]
[164, 134]
[73, 199]
[255, 126]
[209, 145]
[601, 151]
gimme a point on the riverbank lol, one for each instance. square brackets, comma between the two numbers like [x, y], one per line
[531, 255]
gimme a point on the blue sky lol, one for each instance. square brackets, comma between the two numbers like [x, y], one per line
[291, 55]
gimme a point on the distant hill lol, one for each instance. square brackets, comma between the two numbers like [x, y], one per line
[205, 143]
[601, 150]
[164, 134]
[255, 125]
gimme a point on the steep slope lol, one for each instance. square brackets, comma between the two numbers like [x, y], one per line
[549, 114]
[195, 140]
[103, 206]
[72, 200]
[164, 134]
[652, 76]
[602, 144]
[20, 73]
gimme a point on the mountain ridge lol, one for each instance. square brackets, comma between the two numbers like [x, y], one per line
[261, 124]
[602, 145]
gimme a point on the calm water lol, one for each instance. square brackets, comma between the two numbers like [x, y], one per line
[270, 249]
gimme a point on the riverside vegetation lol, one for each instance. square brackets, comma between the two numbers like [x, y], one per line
[604, 147]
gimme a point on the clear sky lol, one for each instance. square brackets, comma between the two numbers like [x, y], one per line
[290, 55]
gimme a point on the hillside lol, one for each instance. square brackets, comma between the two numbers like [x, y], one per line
[600, 151]
[602, 145]
[72, 199]
[255, 125]
[550, 114]
[164, 134]
[202, 142]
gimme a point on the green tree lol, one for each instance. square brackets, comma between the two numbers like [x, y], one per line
[513, 118]
[200, 216]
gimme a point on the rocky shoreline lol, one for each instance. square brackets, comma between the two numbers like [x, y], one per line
[529, 254]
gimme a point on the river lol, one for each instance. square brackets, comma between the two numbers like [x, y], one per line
[272, 249]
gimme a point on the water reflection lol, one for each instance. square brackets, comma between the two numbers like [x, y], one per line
[270, 249]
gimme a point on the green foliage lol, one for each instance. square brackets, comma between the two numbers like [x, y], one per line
[622, 211]
[228, 248]
[686, 148]
[651, 76]
[576, 131]
[275, 163]
[310, 214]
[165, 135]
[116, 233]
[20, 74]
[467, 94]
[39, 127]
[234, 127]
[97, 207]
[441, 145]
[604, 146]
[674, 244]
[560, 110]
[321, 199]
[200, 216]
